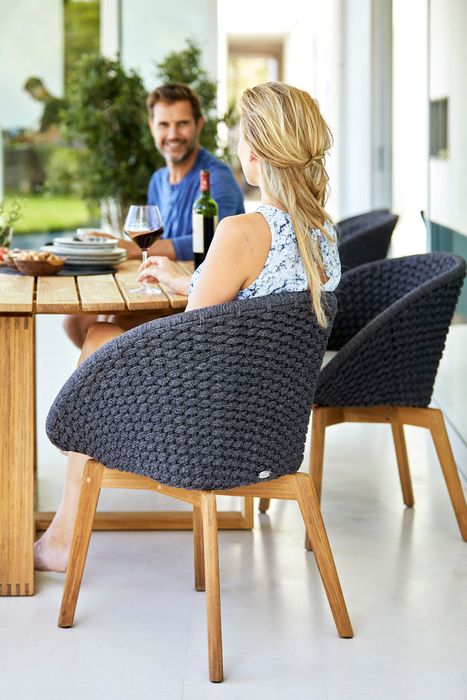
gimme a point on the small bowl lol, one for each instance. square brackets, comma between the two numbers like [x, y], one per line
[38, 268]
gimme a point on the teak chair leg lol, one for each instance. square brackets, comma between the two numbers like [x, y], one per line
[309, 507]
[318, 430]
[90, 489]
[403, 464]
[248, 512]
[448, 466]
[213, 599]
[198, 549]
[264, 504]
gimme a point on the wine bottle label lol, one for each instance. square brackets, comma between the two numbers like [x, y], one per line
[203, 231]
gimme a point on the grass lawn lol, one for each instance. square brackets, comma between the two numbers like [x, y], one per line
[52, 213]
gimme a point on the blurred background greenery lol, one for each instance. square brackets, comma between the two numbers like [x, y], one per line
[53, 213]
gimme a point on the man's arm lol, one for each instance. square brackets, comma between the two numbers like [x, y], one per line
[161, 247]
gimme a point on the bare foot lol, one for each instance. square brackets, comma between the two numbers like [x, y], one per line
[51, 554]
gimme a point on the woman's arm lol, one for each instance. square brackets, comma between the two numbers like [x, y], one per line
[159, 268]
[235, 258]
[222, 274]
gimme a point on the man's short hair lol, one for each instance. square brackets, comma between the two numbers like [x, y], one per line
[174, 92]
[33, 82]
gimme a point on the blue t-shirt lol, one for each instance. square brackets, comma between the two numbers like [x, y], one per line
[176, 201]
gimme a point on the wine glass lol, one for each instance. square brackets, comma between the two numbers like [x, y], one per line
[143, 225]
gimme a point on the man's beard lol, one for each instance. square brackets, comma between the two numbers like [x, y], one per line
[183, 157]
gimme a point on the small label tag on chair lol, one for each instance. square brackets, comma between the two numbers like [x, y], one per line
[265, 474]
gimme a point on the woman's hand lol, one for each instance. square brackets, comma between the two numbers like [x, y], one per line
[159, 268]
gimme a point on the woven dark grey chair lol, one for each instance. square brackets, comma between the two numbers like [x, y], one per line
[365, 237]
[390, 330]
[209, 402]
[360, 220]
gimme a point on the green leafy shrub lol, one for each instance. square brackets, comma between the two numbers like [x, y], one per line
[106, 120]
[9, 215]
[63, 171]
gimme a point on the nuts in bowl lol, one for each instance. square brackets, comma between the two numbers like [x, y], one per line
[31, 262]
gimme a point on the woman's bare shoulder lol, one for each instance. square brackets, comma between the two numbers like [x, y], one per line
[245, 228]
[239, 221]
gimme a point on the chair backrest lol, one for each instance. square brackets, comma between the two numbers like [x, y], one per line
[358, 221]
[365, 240]
[391, 328]
[208, 399]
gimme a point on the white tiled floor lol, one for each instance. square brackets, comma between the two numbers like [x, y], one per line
[140, 627]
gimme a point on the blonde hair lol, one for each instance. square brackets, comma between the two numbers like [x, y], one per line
[286, 131]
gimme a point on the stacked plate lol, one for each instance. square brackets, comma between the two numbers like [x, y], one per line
[89, 253]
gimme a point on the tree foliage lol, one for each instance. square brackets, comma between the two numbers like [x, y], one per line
[106, 118]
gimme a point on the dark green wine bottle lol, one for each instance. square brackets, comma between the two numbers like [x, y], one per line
[205, 217]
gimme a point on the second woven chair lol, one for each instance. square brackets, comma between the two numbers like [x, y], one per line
[206, 403]
[365, 238]
[390, 332]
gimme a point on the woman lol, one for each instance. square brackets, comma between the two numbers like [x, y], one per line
[288, 244]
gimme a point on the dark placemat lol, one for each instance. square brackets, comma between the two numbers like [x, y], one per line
[66, 271]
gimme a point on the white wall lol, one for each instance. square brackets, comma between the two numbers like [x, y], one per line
[410, 123]
[365, 107]
[31, 43]
[448, 61]
[355, 108]
[109, 28]
[150, 30]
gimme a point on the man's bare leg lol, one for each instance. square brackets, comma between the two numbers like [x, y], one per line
[76, 327]
[51, 551]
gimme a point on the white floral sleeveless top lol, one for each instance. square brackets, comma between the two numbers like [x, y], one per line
[283, 270]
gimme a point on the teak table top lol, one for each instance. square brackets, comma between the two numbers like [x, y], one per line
[20, 294]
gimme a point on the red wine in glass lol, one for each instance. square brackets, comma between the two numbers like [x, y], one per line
[145, 239]
[143, 225]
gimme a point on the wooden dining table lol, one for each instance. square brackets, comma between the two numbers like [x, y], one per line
[22, 298]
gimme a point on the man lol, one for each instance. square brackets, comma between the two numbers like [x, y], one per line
[48, 130]
[176, 122]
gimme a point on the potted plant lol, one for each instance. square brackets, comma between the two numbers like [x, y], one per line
[8, 216]
[106, 119]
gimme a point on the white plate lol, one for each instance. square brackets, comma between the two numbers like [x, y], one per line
[98, 258]
[94, 244]
[86, 254]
